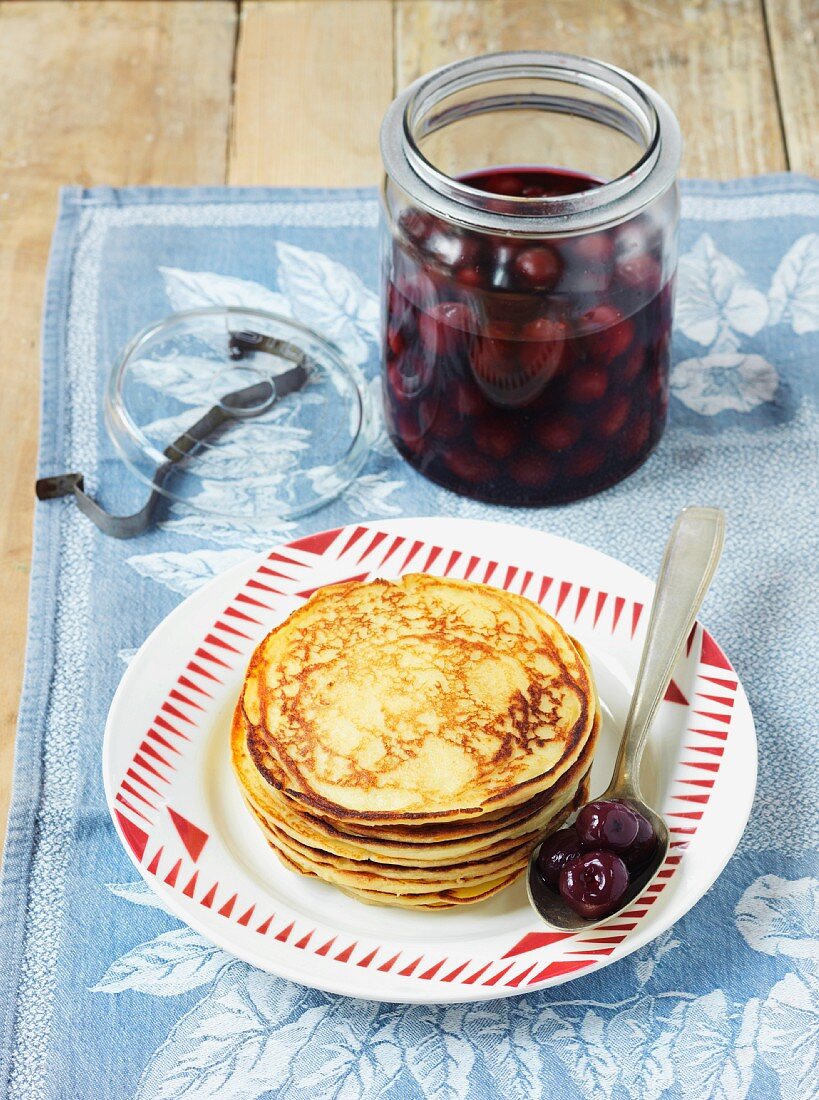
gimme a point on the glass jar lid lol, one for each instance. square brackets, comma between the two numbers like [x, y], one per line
[239, 413]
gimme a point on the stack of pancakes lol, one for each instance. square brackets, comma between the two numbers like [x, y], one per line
[411, 741]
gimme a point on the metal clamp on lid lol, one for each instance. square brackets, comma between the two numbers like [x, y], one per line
[243, 404]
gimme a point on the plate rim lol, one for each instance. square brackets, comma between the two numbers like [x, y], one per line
[421, 993]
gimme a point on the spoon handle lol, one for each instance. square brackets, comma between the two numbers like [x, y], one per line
[689, 564]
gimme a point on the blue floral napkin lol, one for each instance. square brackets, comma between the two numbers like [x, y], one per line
[104, 994]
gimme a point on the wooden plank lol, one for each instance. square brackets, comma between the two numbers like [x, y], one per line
[793, 27]
[313, 79]
[709, 59]
[119, 93]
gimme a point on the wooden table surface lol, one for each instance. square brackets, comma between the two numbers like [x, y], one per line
[292, 92]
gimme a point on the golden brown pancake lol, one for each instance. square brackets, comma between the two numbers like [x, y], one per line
[403, 701]
[411, 741]
[423, 846]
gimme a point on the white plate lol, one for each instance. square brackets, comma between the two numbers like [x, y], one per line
[178, 810]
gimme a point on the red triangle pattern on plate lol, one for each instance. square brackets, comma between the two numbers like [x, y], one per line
[433, 970]
[137, 838]
[587, 602]
[416, 546]
[376, 541]
[173, 874]
[565, 589]
[674, 695]
[515, 982]
[500, 974]
[557, 969]
[711, 654]
[432, 557]
[454, 557]
[533, 941]
[619, 604]
[352, 540]
[316, 544]
[284, 935]
[397, 542]
[306, 593]
[582, 596]
[191, 835]
[137, 813]
[153, 866]
[453, 974]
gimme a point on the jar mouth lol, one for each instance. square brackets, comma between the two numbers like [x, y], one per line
[613, 98]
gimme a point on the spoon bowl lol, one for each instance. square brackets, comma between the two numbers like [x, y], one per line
[553, 909]
[688, 565]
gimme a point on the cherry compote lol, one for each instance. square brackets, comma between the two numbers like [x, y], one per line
[557, 852]
[593, 862]
[526, 371]
[594, 884]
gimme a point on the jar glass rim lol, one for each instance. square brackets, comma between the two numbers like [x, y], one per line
[652, 173]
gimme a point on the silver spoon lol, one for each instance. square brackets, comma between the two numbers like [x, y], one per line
[688, 566]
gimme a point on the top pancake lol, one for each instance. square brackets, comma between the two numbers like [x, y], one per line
[416, 699]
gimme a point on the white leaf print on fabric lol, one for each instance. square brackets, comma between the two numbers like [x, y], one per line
[503, 1033]
[194, 289]
[367, 495]
[715, 301]
[186, 572]
[781, 917]
[435, 1053]
[253, 453]
[647, 959]
[138, 892]
[163, 431]
[335, 1060]
[729, 381]
[794, 293]
[230, 1046]
[267, 492]
[165, 966]
[254, 1034]
[645, 1066]
[225, 532]
[188, 378]
[127, 655]
[582, 1049]
[331, 297]
[710, 1061]
[789, 1036]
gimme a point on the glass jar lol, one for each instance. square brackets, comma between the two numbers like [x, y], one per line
[530, 215]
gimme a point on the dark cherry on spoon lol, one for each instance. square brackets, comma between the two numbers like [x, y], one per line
[596, 868]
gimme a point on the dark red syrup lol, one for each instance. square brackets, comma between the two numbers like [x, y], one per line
[526, 371]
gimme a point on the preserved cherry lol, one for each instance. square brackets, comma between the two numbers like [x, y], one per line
[594, 862]
[607, 824]
[557, 852]
[547, 361]
[594, 884]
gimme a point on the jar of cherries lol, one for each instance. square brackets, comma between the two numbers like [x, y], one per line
[530, 214]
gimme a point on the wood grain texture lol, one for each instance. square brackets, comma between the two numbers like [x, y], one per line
[90, 93]
[708, 58]
[793, 27]
[313, 79]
